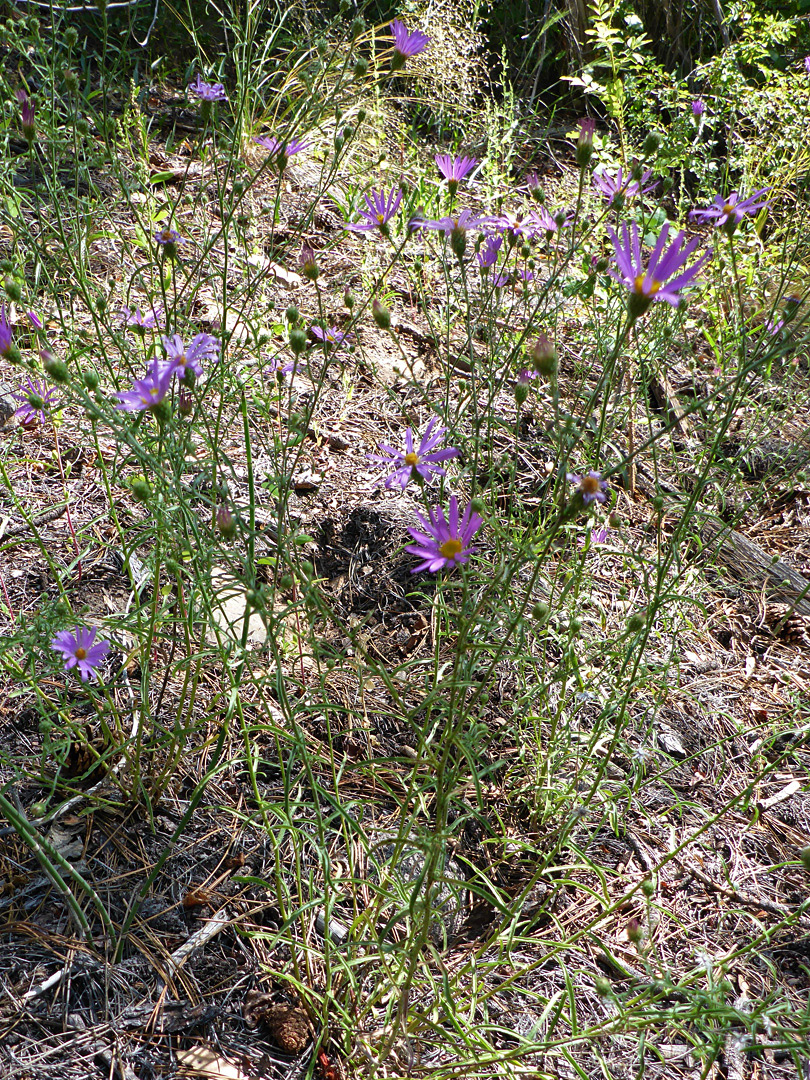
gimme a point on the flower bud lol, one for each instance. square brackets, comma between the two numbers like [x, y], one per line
[636, 622]
[185, 404]
[521, 392]
[541, 611]
[71, 80]
[635, 931]
[602, 986]
[13, 289]
[381, 314]
[298, 340]
[339, 140]
[544, 357]
[309, 267]
[458, 241]
[56, 369]
[140, 488]
[361, 113]
[804, 855]
[525, 251]
[357, 27]
[585, 142]
[71, 37]
[225, 522]
[291, 314]
[477, 506]
[348, 133]
[90, 380]
[651, 144]
[348, 300]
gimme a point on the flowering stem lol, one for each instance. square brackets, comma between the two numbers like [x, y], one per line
[67, 500]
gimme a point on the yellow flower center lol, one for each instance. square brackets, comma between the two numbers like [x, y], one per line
[412, 459]
[451, 548]
[638, 286]
[728, 208]
[590, 485]
[80, 653]
[380, 219]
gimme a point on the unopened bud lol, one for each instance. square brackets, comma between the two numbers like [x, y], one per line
[804, 855]
[298, 340]
[635, 931]
[13, 289]
[225, 522]
[309, 267]
[651, 144]
[291, 314]
[140, 488]
[544, 357]
[458, 241]
[360, 68]
[585, 142]
[357, 27]
[348, 300]
[56, 369]
[381, 314]
[90, 380]
[521, 392]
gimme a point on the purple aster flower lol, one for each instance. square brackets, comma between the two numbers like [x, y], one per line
[515, 227]
[413, 464]
[381, 208]
[732, 210]
[406, 44]
[281, 151]
[613, 188]
[807, 64]
[330, 336]
[27, 118]
[502, 278]
[276, 366]
[488, 256]
[140, 321]
[6, 337]
[445, 542]
[773, 326]
[533, 186]
[464, 220]
[454, 169]
[187, 358]
[36, 397]
[698, 107]
[524, 275]
[548, 223]
[208, 91]
[591, 486]
[149, 392]
[80, 649]
[652, 284]
[168, 238]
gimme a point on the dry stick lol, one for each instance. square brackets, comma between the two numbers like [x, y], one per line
[34, 523]
[743, 898]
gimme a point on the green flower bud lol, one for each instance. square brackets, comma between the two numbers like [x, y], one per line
[360, 68]
[71, 80]
[381, 314]
[339, 140]
[71, 37]
[298, 340]
[13, 289]
[804, 855]
[602, 986]
[541, 611]
[348, 300]
[544, 357]
[635, 931]
[361, 113]
[357, 27]
[651, 144]
[348, 132]
[477, 506]
[521, 392]
[636, 622]
[292, 314]
[56, 369]
[525, 251]
[90, 380]
[140, 488]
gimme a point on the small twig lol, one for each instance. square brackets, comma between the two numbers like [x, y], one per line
[744, 898]
[34, 523]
